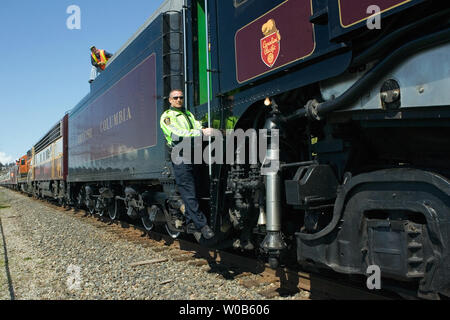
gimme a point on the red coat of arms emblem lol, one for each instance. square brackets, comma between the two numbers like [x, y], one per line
[270, 44]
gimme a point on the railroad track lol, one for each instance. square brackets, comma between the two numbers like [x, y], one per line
[251, 272]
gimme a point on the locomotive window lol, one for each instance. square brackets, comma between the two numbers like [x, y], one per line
[237, 3]
[23, 162]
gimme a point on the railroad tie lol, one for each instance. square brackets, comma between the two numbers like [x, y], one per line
[141, 263]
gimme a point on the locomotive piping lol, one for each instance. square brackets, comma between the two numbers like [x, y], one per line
[273, 242]
[315, 110]
[373, 76]
[390, 39]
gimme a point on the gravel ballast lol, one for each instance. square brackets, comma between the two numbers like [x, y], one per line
[56, 255]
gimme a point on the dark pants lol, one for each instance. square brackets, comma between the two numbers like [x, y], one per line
[185, 178]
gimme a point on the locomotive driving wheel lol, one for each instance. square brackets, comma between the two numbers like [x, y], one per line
[146, 219]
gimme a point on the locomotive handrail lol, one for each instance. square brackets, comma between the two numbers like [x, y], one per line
[298, 164]
[208, 81]
[185, 56]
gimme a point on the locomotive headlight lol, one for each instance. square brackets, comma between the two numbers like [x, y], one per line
[267, 102]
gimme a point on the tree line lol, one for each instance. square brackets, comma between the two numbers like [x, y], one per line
[6, 166]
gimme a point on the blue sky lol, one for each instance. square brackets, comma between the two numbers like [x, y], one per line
[45, 67]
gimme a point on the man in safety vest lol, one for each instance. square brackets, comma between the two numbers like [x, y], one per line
[99, 58]
[178, 123]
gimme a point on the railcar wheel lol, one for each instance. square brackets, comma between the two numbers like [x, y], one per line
[172, 234]
[114, 210]
[101, 212]
[61, 202]
[79, 203]
[91, 210]
[99, 208]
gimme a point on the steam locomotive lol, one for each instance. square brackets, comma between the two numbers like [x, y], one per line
[357, 93]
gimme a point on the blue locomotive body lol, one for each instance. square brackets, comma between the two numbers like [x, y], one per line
[357, 90]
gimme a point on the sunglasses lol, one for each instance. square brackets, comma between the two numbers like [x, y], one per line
[176, 98]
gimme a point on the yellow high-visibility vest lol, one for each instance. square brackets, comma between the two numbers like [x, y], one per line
[102, 59]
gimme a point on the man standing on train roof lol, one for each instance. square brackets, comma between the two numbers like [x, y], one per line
[99, 58]
[178, 123]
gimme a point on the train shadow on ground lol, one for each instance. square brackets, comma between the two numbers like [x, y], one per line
[228, 265]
